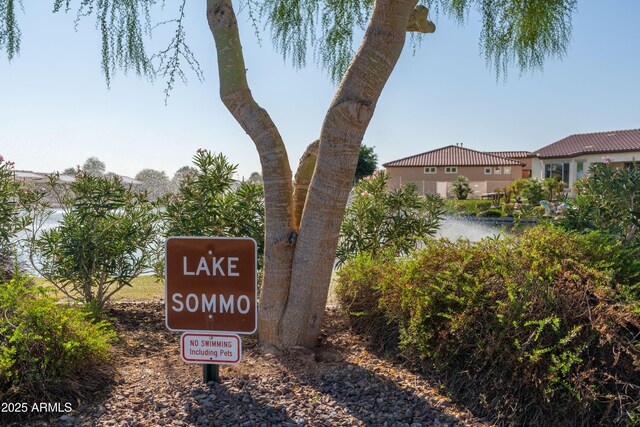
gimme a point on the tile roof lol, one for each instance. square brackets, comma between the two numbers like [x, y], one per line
[511, 154]
[453, 155]
[599, 142]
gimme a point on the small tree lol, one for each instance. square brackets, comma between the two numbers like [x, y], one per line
[94, 166]
[553, 186]
[378, 220]
[367, 162]
[533, 191]
[103, 241]
[255, 177]
[208, 203]
[460, 187]
[155, 182]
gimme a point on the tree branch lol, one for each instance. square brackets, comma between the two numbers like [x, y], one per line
[304, 173]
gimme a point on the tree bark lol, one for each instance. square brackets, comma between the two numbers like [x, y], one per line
[280, 232]
[302, 227]
[342, 132]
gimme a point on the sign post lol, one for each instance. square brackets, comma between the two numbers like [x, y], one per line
[211, 288]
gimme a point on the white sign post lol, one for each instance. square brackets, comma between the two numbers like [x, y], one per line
[221, 349]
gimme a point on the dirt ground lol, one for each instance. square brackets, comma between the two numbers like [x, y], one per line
[339, 383]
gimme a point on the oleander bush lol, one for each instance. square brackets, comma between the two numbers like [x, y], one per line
[398, 220]
[536, 329]
[102, 242]
[47, 350]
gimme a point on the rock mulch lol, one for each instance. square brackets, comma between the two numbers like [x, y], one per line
[340, 383]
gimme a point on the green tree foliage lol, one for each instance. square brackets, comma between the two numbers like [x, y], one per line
[554, 187]
[46, 347]
[102, 242]
[534, 327]
[14, 218]
[608, 199]
[155, 182]
[255, 177]
[367, 162]
[378, 220]
[514, 33]
[211, 203]
[180, 175]
[460, 187]
[94, 166]
[533, 191]
[70, 171]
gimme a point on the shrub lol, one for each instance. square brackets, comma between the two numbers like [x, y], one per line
[102, 242]
[377, 219]
[483, 205]
[607, 200]
[534, 328]
[46, 348]
[460, 187]
[507, 209]
[14, 198]
[491, 213]
[538, 211]
[208, 204]
[533, 191]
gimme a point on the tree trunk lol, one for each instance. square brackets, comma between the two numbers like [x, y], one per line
[299, 260]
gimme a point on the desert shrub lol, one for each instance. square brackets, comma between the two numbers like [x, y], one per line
[507, 209]
[47, 351]
[102, 242]
[538, 211]
[607, 199]
[460, 187]
[208, 203]
[533, 191]
[534, 328]
[482, 205]
[491, 213]
[14, 218]
[377, 220]
[462, 208]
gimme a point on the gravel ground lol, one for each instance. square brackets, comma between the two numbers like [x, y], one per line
[340, 383]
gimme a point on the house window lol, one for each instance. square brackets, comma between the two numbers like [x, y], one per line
[557, 170]
[487, 171]
[497, 170]
[506, 170]
[580, 170]
[430, 169]
[451, 169]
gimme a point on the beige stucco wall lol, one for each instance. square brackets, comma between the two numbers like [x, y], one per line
[428, 182]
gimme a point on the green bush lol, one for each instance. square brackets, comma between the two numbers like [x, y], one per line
[482, 205]
[102, 242]
[535, 328]
[14, 198]
[208, 204]
[507, 209]
[538, 211]
[460, 187]
[46, 349]
[376, 220]
[491, 213]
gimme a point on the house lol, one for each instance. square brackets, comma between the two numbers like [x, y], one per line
[434, 171]
[569, 158]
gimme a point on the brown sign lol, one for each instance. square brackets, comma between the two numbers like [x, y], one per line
[211, 284]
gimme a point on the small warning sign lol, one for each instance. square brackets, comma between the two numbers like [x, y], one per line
[211, 348]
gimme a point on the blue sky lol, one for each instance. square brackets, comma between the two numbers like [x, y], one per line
[55, 108]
